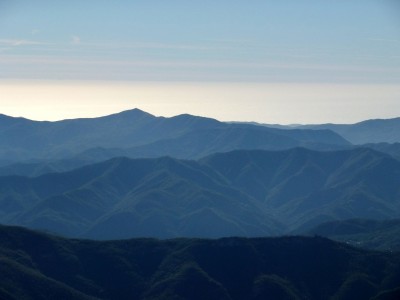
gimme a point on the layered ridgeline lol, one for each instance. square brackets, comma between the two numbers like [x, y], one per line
[379, 134]
[240, 193]
[38, 266]
[136, 133]
[369, 131]
[34, 148]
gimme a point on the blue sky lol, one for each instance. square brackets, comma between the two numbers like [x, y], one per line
[265, 42]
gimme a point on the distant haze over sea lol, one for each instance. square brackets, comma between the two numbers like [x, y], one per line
[279, 103]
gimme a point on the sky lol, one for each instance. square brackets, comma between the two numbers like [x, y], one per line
[289, 61]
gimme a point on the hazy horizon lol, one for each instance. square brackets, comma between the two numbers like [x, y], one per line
[265, 61]
[267, 103]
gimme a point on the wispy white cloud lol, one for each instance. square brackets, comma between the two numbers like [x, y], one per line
[206, 64]
[169, 46]
[65, 59]
[18, 42]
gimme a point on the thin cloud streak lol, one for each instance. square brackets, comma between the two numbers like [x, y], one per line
[96, 60]
[19, 42]
[32, 59]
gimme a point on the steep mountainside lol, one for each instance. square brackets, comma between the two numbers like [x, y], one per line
[303, 188]
[38, 266]
[245, 193]
[124, 198]
[22, 139]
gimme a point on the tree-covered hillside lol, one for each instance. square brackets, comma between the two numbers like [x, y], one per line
[39, 266]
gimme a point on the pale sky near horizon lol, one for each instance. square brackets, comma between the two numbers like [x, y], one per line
[309, 61]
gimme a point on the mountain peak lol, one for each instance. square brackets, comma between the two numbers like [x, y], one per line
[135, 112]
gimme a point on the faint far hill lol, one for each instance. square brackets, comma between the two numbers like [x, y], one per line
[142, 134]
[365, 132]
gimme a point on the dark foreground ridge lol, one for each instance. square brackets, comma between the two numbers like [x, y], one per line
[40, 266]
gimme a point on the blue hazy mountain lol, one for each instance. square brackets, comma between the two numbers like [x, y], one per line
[122, 198]
[39, 266]
[369, 131]
[390, 148]
[36, 167]
[303, 188]
[245, 193]
[142, 134]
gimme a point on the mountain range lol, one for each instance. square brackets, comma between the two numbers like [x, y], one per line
[186, 178]
[240, 193]
[32, 148]
[39, 266]
[368, 131]
[136, 133]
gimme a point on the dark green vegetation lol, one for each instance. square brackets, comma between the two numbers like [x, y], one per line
[38, 266]
[135, 133]
[371, 234]
[241, 193]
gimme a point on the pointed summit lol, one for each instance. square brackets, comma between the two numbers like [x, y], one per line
[132, 113]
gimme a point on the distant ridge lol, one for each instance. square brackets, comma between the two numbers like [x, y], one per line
[139, 133]
[368, 131]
